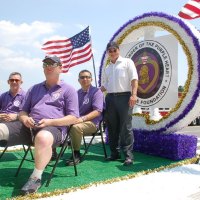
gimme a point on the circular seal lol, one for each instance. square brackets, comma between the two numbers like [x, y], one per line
[86, 100]
[55, 96]
[16, 103]
[153, 65]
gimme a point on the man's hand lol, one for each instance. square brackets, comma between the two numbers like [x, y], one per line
[3, 117]
[28, 121]
[79, 120]
[103, 89]
[11, 117]
[132, 101]
[43, 123]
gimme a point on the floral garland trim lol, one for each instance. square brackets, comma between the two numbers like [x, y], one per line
[110, 181]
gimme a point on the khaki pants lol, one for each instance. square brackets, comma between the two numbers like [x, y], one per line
[78, 130]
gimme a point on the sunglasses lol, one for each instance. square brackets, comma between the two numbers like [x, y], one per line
[83, 77]
[14, 80]
[50, 65]
[112, 51]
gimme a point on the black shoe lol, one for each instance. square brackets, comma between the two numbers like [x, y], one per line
[77, 159]
[54, 154]
[71, 163]
[113, 158]
[128, 162]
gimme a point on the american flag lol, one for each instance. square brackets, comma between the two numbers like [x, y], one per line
[72, 51]
[191, 10]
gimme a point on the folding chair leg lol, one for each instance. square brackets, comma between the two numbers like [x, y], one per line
[26, 152]
[87, 146]
[84, 142]
[103, 144]
[54, 167]
[73, 156]
[63, 148]
[30, 152]
[3, 151]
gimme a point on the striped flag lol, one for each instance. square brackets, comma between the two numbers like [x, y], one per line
[191, 10]
[72, 51]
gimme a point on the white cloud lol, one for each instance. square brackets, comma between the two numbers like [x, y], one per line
[4, 52]
[24, 34]
[17, 62]
[20, 43]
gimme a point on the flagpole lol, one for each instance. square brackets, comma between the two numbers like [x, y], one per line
[95, 78]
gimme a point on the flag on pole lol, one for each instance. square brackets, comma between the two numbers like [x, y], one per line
[191, 10]
[72, 51]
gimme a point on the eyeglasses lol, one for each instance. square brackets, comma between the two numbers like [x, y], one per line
[83, 77]
[50, 65]
[14, 80]
[112, 51]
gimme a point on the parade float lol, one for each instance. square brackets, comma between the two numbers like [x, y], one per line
[154, 41]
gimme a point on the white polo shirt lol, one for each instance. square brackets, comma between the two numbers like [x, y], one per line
[117, 77]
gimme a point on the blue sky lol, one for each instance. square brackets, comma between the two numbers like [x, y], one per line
[26, 24]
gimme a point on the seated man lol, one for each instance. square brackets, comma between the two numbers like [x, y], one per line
[11, 100]
[49, 107]
[90, 108]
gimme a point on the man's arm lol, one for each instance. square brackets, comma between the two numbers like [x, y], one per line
[25, 119]
[64, 121]
[133, 98]
[134, 87]
[90, 116]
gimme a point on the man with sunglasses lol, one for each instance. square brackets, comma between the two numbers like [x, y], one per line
[120, 80]
[49, 107]
[90, 108]
[11, 100]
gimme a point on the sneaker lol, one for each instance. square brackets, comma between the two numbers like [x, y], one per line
[31, 186]
[71, 162]
[77, 159]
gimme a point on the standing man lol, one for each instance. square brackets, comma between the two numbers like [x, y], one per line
[90, 108]
[120, 80]
[49, 107]
[11, 100]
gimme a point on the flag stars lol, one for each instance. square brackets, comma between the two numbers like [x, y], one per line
[80, 39]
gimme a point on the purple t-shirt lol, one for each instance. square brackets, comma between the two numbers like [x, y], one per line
[10, 104]
[89, 101]
[56, 102]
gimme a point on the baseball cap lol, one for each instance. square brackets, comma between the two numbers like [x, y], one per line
[112, 45]
[53, 59]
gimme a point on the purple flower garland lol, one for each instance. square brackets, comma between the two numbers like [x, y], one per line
[172, 146]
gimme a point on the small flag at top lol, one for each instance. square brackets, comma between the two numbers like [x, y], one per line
[191, 10]
[72, 51]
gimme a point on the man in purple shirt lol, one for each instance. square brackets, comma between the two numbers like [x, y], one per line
[49, 107]
[90, 108]
[11, 100]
